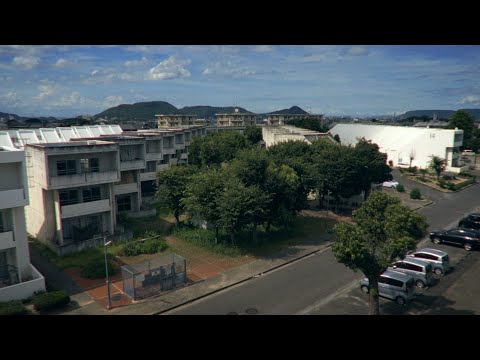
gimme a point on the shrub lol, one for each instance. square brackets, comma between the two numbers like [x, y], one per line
[415, 194]
[95, 269]
[15, 307]
[400, 188]
[451, 186]
[150, 246]
[50, 300]
[447, 177]
[442, 184]
[412, 170]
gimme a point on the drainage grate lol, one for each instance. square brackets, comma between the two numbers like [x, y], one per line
[116, 297]
[232, 313]
[251, 311]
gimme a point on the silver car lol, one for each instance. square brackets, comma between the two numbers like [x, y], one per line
[420, 270]
[393, 285]
[439, 259]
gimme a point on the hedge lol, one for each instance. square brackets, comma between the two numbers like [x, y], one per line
[50, 300]
[150, 246]
[15, 307]
[400, 188]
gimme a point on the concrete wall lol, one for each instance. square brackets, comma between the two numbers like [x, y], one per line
[24, 289]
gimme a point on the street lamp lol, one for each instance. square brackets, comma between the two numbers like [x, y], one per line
[105, 244]
[328, 199]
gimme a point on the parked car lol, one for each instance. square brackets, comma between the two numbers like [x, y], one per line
[468, 152]
[419, 270]
[390, 184]
[471, 221]
[393, 285]
[439, 259]
[468, 238]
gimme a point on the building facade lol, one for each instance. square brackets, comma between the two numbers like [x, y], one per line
[236, 119]
[401, 143]
[18, 277]
[175, 120]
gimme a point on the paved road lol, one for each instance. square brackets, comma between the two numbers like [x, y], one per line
[319, 285]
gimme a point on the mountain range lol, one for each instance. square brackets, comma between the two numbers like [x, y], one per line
[441, 114]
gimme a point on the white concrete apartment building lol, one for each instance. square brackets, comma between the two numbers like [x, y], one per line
[175, 120]
[236, 119]
[400, 142]
[275, 134]
[71, 192]
[18, 277]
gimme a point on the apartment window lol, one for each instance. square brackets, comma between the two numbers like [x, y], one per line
[66, 167]
[458, 137]
[89, 165]
[151, 166]
[128, 177]
[68, 197]
[2, 224]
[91, 194]
[124, 203]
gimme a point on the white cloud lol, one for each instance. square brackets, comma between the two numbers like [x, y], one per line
[169, 69]
[357, 51]
[143, 61]
[470, 99]
[94, 72]
[10, 96]
[111, 101]
[227, 69]
[45, 90]
[27, 62]
[61, 63]
[69, 100]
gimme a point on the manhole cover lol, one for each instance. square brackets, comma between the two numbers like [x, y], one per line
[116, 297]
[232, 313]
[251, 311]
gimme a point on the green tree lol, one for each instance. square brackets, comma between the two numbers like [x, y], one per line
[372, 164]
[240, 205]
[253, 134]
[172, 183]
[462, 120]
[202, 195]
[423, 171]
[437, 164]
[381, 230]
[337, 138]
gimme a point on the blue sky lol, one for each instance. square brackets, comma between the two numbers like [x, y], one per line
[356, 80]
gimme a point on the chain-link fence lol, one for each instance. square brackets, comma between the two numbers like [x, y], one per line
[154, 276]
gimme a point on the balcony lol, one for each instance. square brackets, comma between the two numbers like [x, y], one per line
[12, 289]
[162, 167]
[12, 198]
[132, 164]
[125, 188]
[86, 208]
[184, 156]
[102, 177]
[154, 156]
[148, 176]
[168, 150]
[6, 240]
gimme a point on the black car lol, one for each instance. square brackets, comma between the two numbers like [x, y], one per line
[471, 221]
[468, 238]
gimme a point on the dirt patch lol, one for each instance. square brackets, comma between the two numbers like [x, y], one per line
[404, 197]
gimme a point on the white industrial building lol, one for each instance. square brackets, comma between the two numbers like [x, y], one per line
[400, 143]
[18, 277]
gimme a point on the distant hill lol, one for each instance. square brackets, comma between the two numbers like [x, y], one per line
[7, 116]
[292, 110]
[441, 114]
[146, 111]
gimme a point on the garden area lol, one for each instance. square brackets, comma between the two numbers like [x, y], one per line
[446, 182]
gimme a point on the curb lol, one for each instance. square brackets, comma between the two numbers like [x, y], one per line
[239, 282]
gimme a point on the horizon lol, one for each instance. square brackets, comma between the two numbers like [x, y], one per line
[334, 80]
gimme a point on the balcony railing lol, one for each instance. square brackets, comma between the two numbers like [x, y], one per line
[85, 208]
[56, 182]
[6, 240]
[12, 198]
[8, 275]
[132, 164]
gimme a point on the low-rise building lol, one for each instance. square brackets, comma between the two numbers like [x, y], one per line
[281, 119]
[18, 277]
[402, 144]
[275, 134]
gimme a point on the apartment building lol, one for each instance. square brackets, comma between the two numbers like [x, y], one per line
[72, 193]
[281, 119]
[175, 120]
[18, 277]
[275, 134]
[236, 119]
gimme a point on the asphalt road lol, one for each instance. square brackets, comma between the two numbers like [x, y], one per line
[320, 285]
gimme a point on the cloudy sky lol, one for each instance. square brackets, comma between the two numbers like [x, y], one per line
[351, 80]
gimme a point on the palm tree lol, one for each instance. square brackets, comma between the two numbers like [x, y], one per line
[437, 164]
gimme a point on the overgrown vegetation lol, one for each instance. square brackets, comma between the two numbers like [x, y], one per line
[415, 194]
[15, 307]
[400, 188]
[95, 268]
[50, 300]
[149, 246]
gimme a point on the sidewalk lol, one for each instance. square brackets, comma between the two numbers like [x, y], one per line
[167, 301]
